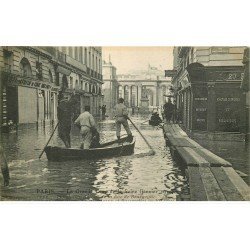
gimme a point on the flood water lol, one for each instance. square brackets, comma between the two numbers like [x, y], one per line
[137, 177]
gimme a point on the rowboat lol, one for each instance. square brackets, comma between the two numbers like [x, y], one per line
[105, 150]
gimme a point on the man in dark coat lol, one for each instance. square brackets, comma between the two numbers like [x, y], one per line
[168, 110]
[65, 112]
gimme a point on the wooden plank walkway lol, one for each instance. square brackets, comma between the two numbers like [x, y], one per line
[210, 176]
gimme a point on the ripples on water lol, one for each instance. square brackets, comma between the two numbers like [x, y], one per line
[141, 176]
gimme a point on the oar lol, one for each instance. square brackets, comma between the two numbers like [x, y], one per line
[152, 151]
[49, 140]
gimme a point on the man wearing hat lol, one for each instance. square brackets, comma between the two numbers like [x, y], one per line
[65, 112]
[121, 116]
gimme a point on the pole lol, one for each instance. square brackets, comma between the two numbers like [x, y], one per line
[49, 140]
[152, 150]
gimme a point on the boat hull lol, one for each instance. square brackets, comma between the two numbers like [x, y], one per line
[106, 150]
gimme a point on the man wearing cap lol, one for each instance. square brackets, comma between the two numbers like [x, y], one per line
[121, 116]
[87, 125]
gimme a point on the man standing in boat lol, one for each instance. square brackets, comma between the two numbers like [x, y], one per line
[121, 116]
[87, 125]
[65, 112]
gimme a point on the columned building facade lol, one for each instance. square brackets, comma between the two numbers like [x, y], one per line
[145, 90]
[207, 86]
[31, 78]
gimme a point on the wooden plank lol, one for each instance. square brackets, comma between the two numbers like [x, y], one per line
[238, 182]
[214, 159]
[178, 130]
[190, 157]
[229, 190]
[193, 143]
[212, 188]
[197, 190]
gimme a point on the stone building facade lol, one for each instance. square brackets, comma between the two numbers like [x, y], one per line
[206, 83]
[31, 78]
[110, 86]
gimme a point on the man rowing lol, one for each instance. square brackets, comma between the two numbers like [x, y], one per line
[121, 116]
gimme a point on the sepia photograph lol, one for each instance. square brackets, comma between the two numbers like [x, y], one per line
[124, 123]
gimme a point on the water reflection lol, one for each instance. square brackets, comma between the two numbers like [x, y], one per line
[137, 177]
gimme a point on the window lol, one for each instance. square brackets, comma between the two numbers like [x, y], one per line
[85, 56]
[25, 67]
[50, 77]
[96, 64]
[81, 54]
[93, 63]
[76, 53]
[71, 51]
[76, 85]
[64, 50]
[89, 60]
[71, 82]
[81, 85]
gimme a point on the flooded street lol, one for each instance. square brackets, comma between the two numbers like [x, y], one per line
[137, 177]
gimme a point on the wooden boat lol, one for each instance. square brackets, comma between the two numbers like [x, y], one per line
[106, 150]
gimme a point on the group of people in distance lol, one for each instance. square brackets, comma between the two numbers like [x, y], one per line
[169, 113]
[86, 122]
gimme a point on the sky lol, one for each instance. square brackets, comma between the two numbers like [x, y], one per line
[138, 58]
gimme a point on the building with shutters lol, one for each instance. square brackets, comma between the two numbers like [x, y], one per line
[31, 78]
[207, 87]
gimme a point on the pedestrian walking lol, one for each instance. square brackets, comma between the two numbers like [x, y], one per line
[168, 110]
[65, 113]
[121, 116]
[87, 124]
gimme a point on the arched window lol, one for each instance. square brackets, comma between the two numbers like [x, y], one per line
[25, 67]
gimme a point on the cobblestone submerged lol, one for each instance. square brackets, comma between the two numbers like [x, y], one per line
[137, 177]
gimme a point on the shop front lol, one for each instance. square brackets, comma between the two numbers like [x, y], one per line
[212, 100]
